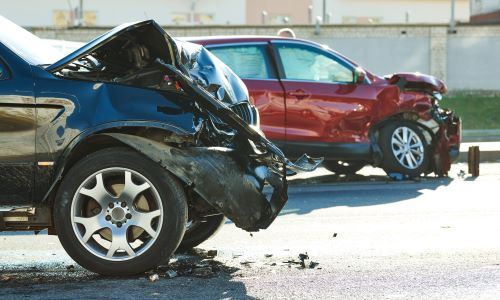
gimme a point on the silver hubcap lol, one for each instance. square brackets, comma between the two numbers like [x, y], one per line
[116, 214]
[407, 147]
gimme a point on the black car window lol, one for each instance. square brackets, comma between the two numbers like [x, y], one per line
[310, 64]
[4, 72]
[247, 61]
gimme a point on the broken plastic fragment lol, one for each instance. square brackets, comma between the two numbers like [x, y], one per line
[302, 258]
[171, 274]
[154, 277]
[396, 176]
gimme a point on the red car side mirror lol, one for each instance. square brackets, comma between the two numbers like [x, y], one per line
[359, 75]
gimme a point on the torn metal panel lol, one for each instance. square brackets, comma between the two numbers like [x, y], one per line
[231, 187]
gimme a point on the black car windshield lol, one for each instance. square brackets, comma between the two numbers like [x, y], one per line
[27, 45]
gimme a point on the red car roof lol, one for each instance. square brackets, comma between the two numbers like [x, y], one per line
[227, 39]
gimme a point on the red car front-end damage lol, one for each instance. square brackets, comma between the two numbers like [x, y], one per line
[418, 100]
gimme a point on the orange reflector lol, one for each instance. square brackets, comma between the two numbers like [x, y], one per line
[45, 163]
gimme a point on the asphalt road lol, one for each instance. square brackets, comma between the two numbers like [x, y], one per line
[367, 238]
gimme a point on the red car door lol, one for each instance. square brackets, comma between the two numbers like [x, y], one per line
[326, 112]
[251, 62]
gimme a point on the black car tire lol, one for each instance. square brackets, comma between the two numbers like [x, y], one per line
[199, 231]
[343, 167]
[169, 216]
[404, 149]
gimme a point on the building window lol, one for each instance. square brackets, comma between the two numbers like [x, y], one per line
[68, 18]
[361, 20]
[202, 18]
[181, 18]
[280, 19]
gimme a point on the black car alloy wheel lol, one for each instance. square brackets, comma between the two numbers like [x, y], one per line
[118, 212]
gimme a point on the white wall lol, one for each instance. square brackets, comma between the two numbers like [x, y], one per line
[33, 13]
[472, 62]
[385, 55]
[393, 11]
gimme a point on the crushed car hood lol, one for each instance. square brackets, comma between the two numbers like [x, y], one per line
[192, 59]
[417, 81]
[106, 38]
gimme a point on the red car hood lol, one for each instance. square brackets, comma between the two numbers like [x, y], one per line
[417, 81]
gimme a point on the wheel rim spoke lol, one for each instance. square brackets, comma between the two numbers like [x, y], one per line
[92, 225]
[416, 146]
[397, 142]
[144, 219]
[397, 138]
[99, 192]
[405, 135]
[120, 242]
[417, 152]
[131, 190]
[409, 163]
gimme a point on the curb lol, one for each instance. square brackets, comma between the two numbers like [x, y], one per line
[489, 151]
[480, 135]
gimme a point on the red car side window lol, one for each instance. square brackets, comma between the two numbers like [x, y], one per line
[247, 61]
[306, 64]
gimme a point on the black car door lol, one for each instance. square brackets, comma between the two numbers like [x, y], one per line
[17, 132]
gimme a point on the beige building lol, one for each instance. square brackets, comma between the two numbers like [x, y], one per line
[391, 11]
[64, 13]
[355, 11]
[278, 12]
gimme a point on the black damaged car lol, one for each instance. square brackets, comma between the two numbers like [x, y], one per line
[130, 148]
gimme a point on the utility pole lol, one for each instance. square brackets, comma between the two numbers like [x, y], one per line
[310, 14]
[192, 10]
[80, 14]
[452, 18]
[324, 10]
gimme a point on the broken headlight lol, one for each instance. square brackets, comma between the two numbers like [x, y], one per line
[438, 96]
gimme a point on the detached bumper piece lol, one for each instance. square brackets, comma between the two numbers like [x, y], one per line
[232, 187]
[448, 142]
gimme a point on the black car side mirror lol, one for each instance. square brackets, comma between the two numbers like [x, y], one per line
[359, 75]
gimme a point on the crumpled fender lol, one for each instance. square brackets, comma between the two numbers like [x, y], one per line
[418, 81]
[214, 174]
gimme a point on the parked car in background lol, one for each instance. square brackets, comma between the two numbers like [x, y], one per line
[312, 99]
[130, 147]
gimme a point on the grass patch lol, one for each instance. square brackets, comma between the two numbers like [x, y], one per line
[477, 110]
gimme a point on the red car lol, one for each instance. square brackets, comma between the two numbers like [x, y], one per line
[312, 99]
